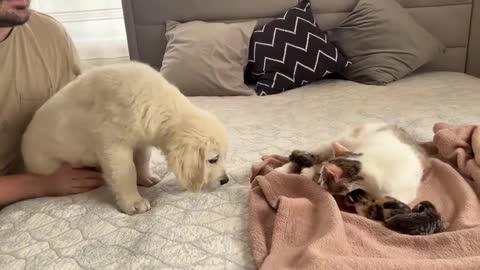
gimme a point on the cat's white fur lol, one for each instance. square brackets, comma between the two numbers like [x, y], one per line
[390, 166]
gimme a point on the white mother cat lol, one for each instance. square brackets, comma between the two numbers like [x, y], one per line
[379, 158]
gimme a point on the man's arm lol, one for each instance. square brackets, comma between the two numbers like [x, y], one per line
[65, 181]
[74, 63]
[71, 66]
[15, 188]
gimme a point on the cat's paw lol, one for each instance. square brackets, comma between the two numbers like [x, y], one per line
[356, 196]
[302, 158]
[309, 172]
[286, 168]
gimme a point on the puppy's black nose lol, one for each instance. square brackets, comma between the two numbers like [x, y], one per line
[224, 181]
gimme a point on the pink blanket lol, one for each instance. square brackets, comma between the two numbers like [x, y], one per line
[294, 224]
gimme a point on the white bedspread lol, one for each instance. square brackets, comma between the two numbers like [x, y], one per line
[209, 231]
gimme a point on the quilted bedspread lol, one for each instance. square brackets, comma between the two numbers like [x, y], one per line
[209, 230]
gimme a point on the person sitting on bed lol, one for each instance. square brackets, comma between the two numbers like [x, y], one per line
[37, 59]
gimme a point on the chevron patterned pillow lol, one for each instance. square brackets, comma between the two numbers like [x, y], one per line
[290, 52]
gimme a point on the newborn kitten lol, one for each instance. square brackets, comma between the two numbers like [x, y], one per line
[379, 158]
[377, 209]
[423, 220]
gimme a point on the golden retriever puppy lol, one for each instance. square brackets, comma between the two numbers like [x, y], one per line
[110, 116]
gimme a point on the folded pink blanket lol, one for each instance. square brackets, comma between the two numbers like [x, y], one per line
[294, 224]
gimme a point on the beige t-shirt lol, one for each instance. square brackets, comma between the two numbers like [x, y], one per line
[36, 60]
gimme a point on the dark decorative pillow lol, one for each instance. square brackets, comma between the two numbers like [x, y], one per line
[290, 52]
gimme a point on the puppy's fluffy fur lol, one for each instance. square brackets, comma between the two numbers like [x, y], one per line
[110, 116]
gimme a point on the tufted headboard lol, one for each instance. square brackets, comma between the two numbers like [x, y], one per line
[455, 22]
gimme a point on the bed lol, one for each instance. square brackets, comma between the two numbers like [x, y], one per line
[210, 230]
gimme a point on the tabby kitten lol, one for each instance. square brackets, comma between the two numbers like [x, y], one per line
[423, 219]
[380, 209]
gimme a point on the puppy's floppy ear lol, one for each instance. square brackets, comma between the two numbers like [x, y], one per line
[188, 163]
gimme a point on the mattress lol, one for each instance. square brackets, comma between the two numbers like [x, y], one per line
[209, 230]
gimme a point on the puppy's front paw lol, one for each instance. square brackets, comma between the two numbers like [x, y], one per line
[135, 206]
[149, 181]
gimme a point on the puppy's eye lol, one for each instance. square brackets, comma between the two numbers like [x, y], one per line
[213, 160]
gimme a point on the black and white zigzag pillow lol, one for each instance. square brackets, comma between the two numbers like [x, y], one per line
[291, 51]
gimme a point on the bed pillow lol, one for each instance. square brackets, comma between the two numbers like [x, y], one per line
[384, 42]
[206, 58]
[291, 51]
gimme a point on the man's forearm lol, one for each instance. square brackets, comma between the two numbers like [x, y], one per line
[15, 188]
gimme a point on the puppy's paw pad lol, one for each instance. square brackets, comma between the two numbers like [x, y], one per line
[149, 181]
[138, 206]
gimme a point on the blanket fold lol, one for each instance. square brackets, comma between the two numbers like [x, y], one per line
[460, 146]
[294, 224]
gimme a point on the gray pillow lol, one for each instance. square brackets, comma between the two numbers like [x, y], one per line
[384, 42]
[207, 58]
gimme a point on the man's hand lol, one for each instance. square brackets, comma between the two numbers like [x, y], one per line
[67, 180]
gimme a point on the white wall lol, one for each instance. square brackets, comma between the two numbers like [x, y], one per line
[96, 27]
